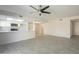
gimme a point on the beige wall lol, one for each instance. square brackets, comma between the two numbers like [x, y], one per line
[62, 28]
[58, 28]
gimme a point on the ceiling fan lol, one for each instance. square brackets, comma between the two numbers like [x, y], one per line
[41, 10]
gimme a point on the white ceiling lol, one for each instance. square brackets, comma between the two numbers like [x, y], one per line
[58, 11]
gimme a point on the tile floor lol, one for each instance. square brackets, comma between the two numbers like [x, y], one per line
[43, 45]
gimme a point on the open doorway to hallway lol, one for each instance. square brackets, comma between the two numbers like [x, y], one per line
[39, 30]
[37, 27]
[75, 28]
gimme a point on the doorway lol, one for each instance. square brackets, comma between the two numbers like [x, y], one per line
[39, 30]
[75, 28]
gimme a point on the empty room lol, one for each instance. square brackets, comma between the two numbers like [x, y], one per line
[39, 29]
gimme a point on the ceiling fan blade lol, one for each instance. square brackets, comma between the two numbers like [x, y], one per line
[46, 12]
[45, 8]
[34, 8]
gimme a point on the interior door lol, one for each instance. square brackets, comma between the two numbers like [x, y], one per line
[38, 29]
